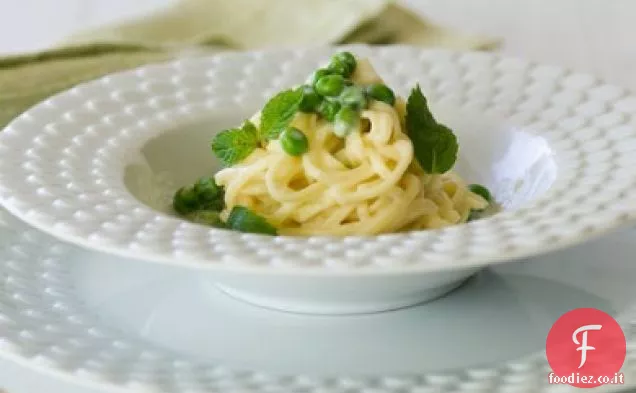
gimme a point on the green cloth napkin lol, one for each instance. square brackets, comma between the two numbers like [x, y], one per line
[195, 27]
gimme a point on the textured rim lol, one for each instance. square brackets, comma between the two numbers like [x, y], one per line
[44, 325]
[78, 195]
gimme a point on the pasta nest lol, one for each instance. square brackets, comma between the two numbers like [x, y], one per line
[364, 184]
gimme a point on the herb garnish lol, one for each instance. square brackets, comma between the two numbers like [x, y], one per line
[434, 144]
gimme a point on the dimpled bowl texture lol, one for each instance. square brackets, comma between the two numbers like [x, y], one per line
[98, 165]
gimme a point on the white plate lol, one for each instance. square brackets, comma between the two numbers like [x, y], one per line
[555, 146]
[106, 322]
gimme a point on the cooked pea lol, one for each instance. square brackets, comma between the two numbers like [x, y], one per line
[346, 121]
[339, 68]
[319, 73]
[330, 85]
[343, 63]
[328, 109]
[354, 97]
[310, 100]
[185, 200]
[294, 142]
[382, 93]
[244, 220]
[210, 194]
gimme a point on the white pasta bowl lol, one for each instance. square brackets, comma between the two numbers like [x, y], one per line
[98, 165]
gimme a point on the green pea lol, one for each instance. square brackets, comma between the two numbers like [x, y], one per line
[346, 121]
[294, 142]
[481, 191]
[343, 63]
[206, 188]
[319, 73]
[244, 220]
[310, 101]
[382, 93]
[330, 85]
[328, 109]
[207, 217]
[211, 196]
[348, 58]
[339, 68]
[354, 97]
[185, 200]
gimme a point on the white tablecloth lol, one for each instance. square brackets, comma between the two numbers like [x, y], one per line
[596, 36]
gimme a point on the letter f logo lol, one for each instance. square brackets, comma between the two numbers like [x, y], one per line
[584, 347]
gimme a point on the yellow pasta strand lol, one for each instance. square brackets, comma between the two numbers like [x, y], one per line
[366, 184]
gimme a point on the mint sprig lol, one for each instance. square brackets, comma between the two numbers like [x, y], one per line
[234, 145]
[279, 112]
[435, 145]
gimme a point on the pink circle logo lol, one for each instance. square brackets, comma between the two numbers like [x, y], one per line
[586, 348]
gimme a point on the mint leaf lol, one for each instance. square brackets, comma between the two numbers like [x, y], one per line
[244, 220]
[279, 112]
[250, 128]
[234, 145]
[435, 145]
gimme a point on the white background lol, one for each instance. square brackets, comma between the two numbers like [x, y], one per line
[597, 36]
